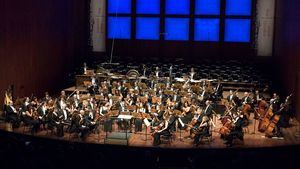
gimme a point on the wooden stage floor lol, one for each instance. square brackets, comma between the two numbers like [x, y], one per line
[251, 139]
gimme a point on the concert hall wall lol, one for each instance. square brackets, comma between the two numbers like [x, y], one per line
[40, 42]
[287, 51]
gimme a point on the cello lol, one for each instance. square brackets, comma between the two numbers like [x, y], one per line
[261, 110]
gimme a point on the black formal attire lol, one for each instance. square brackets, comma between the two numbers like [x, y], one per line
[42, 115]
[165, 131]
[247, 100]
[107, 122]
[208, 111]
[12, 116]
[236, 132]
[54, 121]
[257, 98]
[35, 123]
[82, 126]
[201, 132]
[219, 91]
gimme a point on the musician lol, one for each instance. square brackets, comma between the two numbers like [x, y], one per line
[104, 109]
[208, 111]
[42, 112]
[204, 96]
[90, 119]
[12, 114]
[195, 122]
[128, 100]
[230, 97]
[246, 99]
[233, 98]
[91, 104]
[257, 97]
[177, 100]
[187, 114]
[26, 104]
[275, 102]
[287, 113]
[237, 131]
[138, 122]
[63, 95]
[30, 117]
[219, 90]
[55, 119]
[93, 88]
[34, 103]
[162, 129]
[63, 109]
[124, 90]
[75, 102]
[282, 112]
[202, 130]
[46, 97]
[82, 125]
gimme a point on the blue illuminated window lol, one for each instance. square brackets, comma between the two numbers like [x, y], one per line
[147, 6]
[119, 6]
[237, 30]
[238, 7]
[119, 27]
[207, 7]
[147, 28]
[207, 29]
[177, 29]
[177, 6]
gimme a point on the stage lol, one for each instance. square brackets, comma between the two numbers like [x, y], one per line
[251, 139]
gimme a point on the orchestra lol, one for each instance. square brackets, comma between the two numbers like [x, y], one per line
[183, 104]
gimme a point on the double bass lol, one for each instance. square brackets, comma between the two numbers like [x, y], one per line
[276, 117]
[270, 120]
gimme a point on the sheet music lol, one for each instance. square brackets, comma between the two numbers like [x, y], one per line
[180, 121]
[147, 123]
[126, 117]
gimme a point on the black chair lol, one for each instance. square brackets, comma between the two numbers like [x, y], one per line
[167, 138]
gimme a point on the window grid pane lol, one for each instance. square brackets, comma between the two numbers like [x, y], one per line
[237, 30]
[119, 27]
[147, 6]
[207, 7]
[238, 7]
[147, 28]
[119, 6]
[178, 7]
[177, 29]
[207, 29]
